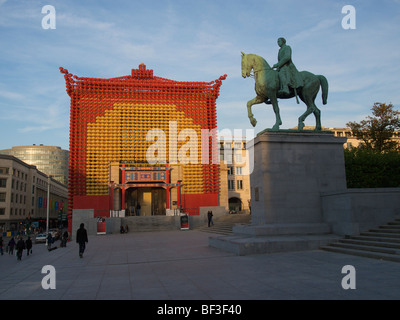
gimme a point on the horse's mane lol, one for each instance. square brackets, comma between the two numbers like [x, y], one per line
[261, 59]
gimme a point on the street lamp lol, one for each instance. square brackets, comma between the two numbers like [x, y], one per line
[48, 209]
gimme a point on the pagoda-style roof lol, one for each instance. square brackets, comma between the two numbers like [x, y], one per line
[140, 79]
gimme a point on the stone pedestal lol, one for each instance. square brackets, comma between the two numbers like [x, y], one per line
[291, 170]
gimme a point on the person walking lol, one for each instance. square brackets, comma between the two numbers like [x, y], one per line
[49, 240]
[64, 239]
[138, 207]
[20, 247]
[81, 239]
[209, 216]
[11, 245]
[28, 244]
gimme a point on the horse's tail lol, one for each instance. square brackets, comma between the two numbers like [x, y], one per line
[324, 85]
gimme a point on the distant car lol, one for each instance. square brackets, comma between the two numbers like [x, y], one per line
[41, 237]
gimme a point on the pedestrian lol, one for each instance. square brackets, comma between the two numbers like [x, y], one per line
[28, 244]
[81, 239]
[11, 245]
[20, 247]
[209, 216]
[138, 207]
[64, 239]
[49, 240]
[1, 245]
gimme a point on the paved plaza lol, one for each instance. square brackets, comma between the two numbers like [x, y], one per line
[179, 265]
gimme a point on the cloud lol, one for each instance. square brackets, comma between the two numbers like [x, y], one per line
[83, 23]
[321, 27]
[10, 95]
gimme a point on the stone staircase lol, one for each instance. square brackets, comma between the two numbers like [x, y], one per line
[223, 225]
[150, 223]
[379, 243]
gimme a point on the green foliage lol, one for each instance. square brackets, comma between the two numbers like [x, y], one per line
[376, 131]
[371, 169]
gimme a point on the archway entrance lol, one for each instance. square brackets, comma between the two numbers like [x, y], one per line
[235, 204]
[152, 201]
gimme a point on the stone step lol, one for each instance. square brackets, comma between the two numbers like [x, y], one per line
[371, 243]
[223, 225]
[391, 226]
[385, 230]
[247, 245]
[150, 223]
[363, 253]
[365, 247]
[234, 218]
[224, 229]
[380, 234]
[382, 242]
[377, 239]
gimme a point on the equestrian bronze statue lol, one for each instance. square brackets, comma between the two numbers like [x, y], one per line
[284, 83]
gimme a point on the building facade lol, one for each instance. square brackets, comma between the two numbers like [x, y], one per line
[142, 139]
[50, 160]
[235, 157]
[23, 196]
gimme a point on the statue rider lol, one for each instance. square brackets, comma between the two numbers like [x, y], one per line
[288, 73]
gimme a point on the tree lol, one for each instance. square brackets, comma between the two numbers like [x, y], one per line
[371, 169]
[376, 131]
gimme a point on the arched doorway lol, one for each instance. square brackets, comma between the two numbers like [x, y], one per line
[235, 204]
[152, 201]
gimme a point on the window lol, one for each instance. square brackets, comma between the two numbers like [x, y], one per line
[2, 211]
[239, 170]
[230, 170]
[239, 184]
[3, 170]
[2, 197]
[238, 157]
[3, 183]
[231, 184]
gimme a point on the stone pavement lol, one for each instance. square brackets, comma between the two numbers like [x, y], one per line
[179, 265]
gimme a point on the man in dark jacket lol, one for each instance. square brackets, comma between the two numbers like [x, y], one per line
[209, 216]
[81, 239]
[20, 248]
[28, 244]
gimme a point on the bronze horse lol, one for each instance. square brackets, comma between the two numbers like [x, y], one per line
[267, 87]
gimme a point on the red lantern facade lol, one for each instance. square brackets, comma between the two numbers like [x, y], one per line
[110, 120]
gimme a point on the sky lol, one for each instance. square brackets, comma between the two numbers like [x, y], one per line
[193, 40]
